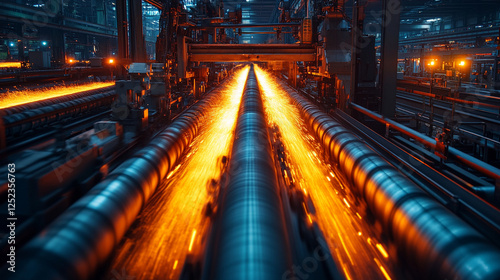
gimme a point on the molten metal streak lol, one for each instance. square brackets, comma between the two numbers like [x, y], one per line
[13, 98]
[10, 64]
[335, 216]
[173, 225]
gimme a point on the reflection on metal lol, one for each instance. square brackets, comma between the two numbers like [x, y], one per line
[170, 235]
[310, 177]
[251, 240]
[427, 235]
[471, 161]
[84, 236]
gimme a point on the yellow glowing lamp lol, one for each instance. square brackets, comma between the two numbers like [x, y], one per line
[71, 60]
[432, 63]
[462, 63]
[111, 61]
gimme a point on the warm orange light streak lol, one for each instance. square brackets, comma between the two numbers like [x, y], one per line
[174, 223]
[11, 64]
[13, 98]
[381, 267]
[339, 224]
[346, 203]
[192, 240]
[175, 169]
[382, 250]
[385, 273]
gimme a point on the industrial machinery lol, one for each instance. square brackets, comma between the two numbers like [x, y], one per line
[316, 150]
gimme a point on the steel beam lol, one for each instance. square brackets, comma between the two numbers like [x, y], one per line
[254, 25]
[250, 52]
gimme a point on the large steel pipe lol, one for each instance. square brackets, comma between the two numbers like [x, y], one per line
[83, 237]
[433, 241]
[251, 240]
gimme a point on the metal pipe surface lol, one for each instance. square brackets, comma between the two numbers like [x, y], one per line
[83, 237]
[435, 243]
[251, 240]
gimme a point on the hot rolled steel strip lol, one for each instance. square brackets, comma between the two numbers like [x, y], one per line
[17, 124]
[54, 100]
[251, 241]
[432, 239]
[83, 237]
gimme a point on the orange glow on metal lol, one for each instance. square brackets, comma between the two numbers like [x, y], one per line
[308, 215]
[385, 273]
[174, 223]
[13, 98]
[381, 267]
[111, 61]
[382, 250]
[462, 63]
[192, 240]
[346, 203]
[173, 171]
[339, 224]
[11, 64]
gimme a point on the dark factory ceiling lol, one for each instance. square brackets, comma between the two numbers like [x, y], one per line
[414, 11]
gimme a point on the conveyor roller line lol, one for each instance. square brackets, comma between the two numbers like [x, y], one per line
[433, 240]
[251, 240]
[83, 237]
[18, 123]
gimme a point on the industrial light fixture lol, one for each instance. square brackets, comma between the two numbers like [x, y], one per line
[44, 43]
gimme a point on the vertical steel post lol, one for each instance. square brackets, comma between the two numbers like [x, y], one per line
[137, 48]
[389, 53]
[355, 34]
[122, 28]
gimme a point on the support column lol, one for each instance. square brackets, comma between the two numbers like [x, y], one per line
[58, 46]
[137, 46]
[389, 56]
[122, 28]
[355, 34]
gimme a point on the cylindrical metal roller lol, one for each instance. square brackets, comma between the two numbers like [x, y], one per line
[432, 239]
[251, 241]
[83, 237]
